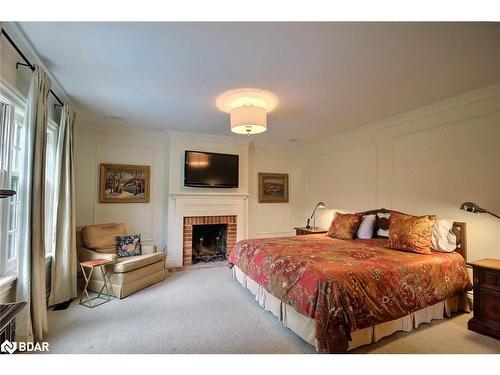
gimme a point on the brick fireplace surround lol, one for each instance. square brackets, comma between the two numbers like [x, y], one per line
[187, 236]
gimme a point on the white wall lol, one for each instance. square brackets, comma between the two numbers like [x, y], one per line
[94, 146]
[427, 161]
[272, 219]
[259, 220]
[197, 201]
[165, 153]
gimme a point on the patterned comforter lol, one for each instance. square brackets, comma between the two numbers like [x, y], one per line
[349, 285]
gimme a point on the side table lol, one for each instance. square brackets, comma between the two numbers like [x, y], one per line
[486, 319]
[91, 265]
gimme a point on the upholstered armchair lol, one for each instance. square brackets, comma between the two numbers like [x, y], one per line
[126, 274]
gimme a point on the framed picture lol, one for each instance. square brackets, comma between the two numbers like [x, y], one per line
[124, 183]
[273, 188]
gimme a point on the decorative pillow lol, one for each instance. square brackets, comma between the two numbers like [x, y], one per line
[443, 238]
[366, 226]
[102, 237]
[128, 246]
[411, 233]
[383, 224]
[344, 226]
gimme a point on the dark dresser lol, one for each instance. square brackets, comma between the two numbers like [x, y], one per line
[486, 279]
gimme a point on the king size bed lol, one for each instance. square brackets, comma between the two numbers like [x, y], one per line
[340, 294]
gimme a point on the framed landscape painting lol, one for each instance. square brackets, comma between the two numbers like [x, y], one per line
[124, 183]
[273, 188]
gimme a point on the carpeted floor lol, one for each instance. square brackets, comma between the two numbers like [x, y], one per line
[206, 311]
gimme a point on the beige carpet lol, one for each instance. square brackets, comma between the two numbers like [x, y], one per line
[206, 311]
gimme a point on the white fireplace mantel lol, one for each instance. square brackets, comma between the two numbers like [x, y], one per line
[186, 204]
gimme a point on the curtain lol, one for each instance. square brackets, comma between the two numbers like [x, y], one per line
[63, 285]
[32, 323]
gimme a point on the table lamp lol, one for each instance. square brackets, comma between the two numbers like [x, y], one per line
[472, 207]
[313, 215]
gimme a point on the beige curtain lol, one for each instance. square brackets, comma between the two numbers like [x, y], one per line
[32, 324]
[63, 285]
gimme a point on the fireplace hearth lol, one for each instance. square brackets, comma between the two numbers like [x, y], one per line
[209, 243]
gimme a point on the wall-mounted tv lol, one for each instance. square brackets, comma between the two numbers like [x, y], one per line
[209, 169]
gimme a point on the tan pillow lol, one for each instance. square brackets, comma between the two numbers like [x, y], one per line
[411, 233]
[344, 226]
[102, 238]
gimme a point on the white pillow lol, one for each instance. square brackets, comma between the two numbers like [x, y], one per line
[383, 232]
[365, 230]
[443, 239]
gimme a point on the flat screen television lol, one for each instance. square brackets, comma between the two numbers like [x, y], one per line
[209, 169]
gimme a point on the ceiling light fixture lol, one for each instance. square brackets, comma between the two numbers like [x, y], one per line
[248, 109]
[248, 119]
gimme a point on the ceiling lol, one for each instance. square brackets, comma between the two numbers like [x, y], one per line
[329, 77]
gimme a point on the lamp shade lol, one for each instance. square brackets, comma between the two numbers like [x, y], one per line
[471, 207]
[321, 205]
[248, 119]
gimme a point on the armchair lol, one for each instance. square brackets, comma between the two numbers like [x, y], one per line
[127, 275]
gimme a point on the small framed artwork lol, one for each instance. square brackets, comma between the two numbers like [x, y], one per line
[124, 183]
[273, 188]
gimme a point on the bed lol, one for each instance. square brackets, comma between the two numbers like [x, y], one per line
[340, 294]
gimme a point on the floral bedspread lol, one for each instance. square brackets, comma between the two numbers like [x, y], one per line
[349, 285]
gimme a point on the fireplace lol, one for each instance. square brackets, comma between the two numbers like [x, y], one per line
[209, 243]
[208, 238]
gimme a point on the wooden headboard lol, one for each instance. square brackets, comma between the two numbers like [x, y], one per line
[459, 228]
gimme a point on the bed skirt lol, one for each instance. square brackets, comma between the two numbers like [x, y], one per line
[304, 326]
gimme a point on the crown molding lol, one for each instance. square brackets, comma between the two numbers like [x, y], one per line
[209, 137]
[117, 129]
[422, 112]
[271, 147]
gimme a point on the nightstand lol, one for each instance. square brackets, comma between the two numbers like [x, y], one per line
[486, 276]
[301, 231]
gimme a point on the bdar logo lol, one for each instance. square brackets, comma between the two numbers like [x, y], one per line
[8, 347]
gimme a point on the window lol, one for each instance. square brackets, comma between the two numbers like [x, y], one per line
[15, 170]
[11, 175]
[13, 140]
[4, 111]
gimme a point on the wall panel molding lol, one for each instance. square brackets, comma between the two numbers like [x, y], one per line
[97, 146]
[445, 106]
[427, 162]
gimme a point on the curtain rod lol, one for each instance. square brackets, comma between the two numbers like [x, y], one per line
[28, 64]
